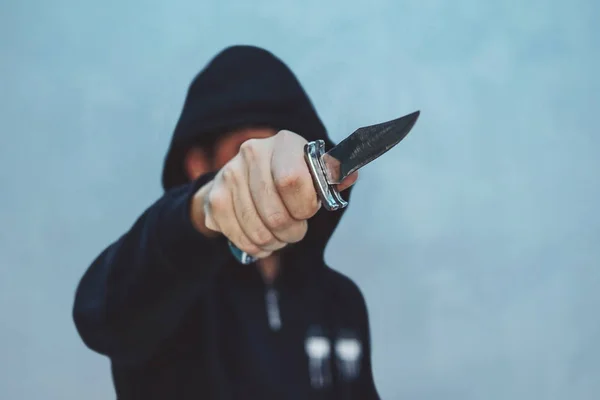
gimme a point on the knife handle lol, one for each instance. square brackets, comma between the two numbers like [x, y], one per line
[329, 196]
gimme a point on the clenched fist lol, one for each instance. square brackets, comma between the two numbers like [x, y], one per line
[262, 198]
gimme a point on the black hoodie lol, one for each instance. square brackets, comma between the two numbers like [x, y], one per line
[175, 313]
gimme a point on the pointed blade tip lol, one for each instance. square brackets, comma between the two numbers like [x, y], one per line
[410, 119]
[413, 117]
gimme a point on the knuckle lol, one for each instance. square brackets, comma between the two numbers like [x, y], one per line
[262, 237]
[277, 220]
[249, 150]
[217, 200]
[285, 139]
[283, 134]
[307, 207]
[231, 175]
[298, 231]
[246, 245]
[291, 180]
[246, 211]
[286, 135]
[302, 228]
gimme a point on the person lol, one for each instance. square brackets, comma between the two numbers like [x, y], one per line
[168, 304]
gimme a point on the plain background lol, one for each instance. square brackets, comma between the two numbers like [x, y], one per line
[476, 241]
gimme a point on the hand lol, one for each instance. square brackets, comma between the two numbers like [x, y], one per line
[262, 198]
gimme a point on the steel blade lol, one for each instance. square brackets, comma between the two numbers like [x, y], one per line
[365, 145]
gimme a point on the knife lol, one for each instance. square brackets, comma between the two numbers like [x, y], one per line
[357, 150]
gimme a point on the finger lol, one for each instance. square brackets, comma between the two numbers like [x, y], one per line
[269, 205]
[220, 211]
[292, 178]
[245, 210]
[347, 182]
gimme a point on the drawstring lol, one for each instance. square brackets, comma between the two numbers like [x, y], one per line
[272, 305]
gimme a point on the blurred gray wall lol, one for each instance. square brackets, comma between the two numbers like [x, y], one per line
[476, 241]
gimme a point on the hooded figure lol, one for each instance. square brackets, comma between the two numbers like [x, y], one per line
[175, 313]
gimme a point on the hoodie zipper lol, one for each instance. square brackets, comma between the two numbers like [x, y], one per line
[272, 306]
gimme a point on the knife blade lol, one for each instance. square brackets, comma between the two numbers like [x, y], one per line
[354, 152]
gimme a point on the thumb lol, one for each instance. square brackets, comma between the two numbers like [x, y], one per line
[348, 181]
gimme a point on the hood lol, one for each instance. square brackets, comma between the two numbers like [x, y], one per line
[241, 86]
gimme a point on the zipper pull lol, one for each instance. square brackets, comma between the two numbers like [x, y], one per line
[273, 315]
[318, 350]
[348, 351]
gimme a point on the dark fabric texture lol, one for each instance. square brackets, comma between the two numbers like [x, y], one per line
[174, 312]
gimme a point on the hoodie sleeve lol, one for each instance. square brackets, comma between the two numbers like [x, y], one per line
[137, 291]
